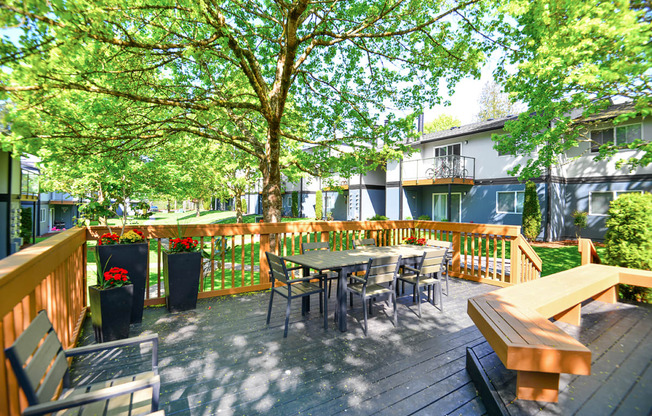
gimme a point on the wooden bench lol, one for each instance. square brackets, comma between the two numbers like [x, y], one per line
[41, 366]
[515, 322]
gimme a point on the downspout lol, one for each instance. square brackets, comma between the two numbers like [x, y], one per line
[360, 200]
[301, 199]
[449, 203]
[548, 230]
[400, 189]
[9, 163]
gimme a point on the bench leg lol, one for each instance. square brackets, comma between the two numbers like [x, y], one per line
[608, 296]
[534, 385]
[571, 316]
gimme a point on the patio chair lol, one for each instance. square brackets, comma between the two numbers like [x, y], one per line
[321, 245]
[292, 289]
[378, 271]
[426, 274]
[447, 259]
[364, 242]
[41, 366]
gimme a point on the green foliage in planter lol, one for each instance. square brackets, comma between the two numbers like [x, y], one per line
[629, 238]
[579, 220]
[319, 206]
[378, 217]
[531, 212]
[295, 204]
[424, 218]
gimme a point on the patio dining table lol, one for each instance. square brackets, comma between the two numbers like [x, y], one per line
[350, 261]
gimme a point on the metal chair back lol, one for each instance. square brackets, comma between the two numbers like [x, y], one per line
[317, 245]
[277, 268]
[382, 269]
[364, 242]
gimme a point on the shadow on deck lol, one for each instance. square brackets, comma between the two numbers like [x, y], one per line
[223, 359]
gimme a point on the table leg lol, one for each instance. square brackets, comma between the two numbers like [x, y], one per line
[306, 299]
[341, 298]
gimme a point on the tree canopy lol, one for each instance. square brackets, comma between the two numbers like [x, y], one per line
[441, 122]
[260, 76]
[494, 103]
[573, 55]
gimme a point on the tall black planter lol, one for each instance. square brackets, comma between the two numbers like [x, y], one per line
[181, 274]
[133, 258]
[111, 312]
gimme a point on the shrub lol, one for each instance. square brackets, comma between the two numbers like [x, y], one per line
[629, 238]
[329, 216]
[424, 218]
[378, 217]
[531, 212]
[319, 206]
[26, 224]
[579, 220]
[243, 203]
[295, 204]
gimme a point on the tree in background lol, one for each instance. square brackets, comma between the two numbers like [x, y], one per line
[259, 76]
[494, 103]
[243, 203]
[26, 224]
[441, 122]
[295, 204]
[531, 212]
[573, 56]
[629, 239]
[319, 206]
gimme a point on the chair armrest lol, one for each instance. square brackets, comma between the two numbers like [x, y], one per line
[412, 269]
[96, 396]
[306, 279]
[153, 338]
[354, 277]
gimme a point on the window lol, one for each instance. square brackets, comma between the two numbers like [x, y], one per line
[623, 135]
[453, 149]
[599, 201]
[510, 202]
[43, 215]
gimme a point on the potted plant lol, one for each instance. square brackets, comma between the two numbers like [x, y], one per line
[413, 241]
[128, 251]
[181, 271]
[111, 301]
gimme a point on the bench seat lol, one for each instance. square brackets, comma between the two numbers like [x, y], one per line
[516, 323]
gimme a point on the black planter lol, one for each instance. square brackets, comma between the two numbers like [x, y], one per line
[181, 275]
[133, 258]
[111, 312]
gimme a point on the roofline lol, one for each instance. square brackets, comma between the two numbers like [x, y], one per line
[452, 136]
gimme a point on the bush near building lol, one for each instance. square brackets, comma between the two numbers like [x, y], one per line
[629, 238]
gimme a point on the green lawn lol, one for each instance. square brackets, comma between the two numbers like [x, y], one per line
[562, 258]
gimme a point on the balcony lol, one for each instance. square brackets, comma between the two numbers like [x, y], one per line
[442, 170]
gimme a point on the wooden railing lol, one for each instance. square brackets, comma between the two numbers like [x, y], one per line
[50, 275]
[587, 251]
[493, 254]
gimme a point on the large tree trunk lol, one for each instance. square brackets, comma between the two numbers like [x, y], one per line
[238, 207]
[270, 168]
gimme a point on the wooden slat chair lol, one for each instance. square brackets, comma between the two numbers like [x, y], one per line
[447, 260]
[378, 271]
[40, 364]
[426, 273]
[292, 289]
[364, 242]
[321, 245]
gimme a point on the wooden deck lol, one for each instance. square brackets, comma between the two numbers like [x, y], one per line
[223, 359]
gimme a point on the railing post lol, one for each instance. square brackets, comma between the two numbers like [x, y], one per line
[457, 250]
[262, 259]
[515, 261]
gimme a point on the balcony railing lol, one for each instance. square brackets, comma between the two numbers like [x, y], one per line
[451, 168]
[51, 275]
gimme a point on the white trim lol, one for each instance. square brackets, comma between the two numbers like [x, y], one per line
[44, 214]
[432, 206]
[515, 211]
[614, 196]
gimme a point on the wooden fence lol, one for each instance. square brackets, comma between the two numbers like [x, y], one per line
[50, 275]
[587, 251]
